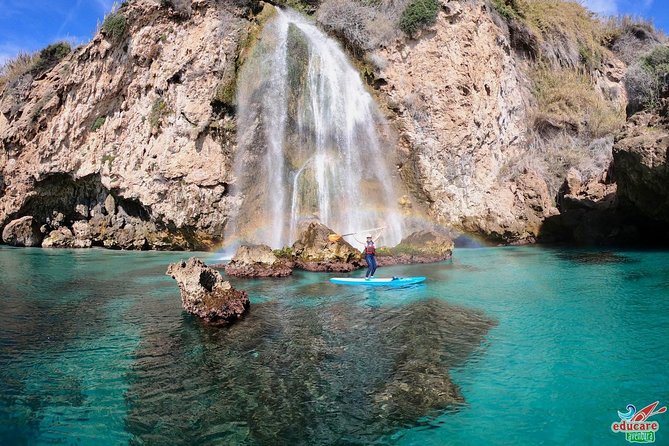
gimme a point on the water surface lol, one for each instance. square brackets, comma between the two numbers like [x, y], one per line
[501, 346]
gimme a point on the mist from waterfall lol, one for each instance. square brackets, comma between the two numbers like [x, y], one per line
[309, 144]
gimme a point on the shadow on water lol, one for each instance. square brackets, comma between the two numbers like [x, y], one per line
[594, 257]
[341, 372]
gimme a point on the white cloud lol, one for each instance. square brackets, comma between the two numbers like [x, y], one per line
[604, 7]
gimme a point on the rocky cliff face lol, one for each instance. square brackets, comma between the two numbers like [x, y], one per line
[128, 142]
[642, 175]
[139, 118]
[461, 103]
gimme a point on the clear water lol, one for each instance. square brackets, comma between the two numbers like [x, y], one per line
[542, 347]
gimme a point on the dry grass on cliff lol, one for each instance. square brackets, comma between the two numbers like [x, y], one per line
[567, 34]
[14, 68]
[365, 25]
[631, 37]
[568, 101]
[552, 158]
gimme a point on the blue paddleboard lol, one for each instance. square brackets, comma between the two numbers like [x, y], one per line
[390, 281]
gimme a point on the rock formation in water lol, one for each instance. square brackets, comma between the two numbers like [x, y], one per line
[419, 247]
[205, 294]
[314, 251]
[259, 261]
[487, 111]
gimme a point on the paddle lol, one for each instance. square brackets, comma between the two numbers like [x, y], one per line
[337, 237]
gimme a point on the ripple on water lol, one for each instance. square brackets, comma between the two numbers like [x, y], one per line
[95, 348]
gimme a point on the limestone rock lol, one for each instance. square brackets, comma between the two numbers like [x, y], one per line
[165, 143]
[315, 252]
[22, 232]
[640, 164]
[460, 122]
[110, 205]
[419, 247]
[587, 218]
[258, 261]
[634, 208]
[59, 238]
[572, 183]
[82, 234]
[205, 294]
[517, 216]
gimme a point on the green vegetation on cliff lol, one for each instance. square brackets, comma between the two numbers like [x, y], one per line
[158, 111]
[114, 26]
[563, 33]
[648, 80]
[98, 123]
[418, 13]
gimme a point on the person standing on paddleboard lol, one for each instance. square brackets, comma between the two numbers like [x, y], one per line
[370, 257]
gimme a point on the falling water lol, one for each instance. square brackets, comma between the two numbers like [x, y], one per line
[309, 144]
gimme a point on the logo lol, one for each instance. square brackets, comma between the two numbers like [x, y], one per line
[636, 424]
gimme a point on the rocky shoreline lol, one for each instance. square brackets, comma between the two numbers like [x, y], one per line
[314, 251]
[629, 203]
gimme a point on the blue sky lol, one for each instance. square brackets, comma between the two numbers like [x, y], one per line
[657, 10]
[29, 25]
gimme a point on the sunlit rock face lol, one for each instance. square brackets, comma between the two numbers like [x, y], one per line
[259, 261]
[642, 172]
[141, 115]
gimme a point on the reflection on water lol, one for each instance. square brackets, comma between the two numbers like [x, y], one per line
[296, 374]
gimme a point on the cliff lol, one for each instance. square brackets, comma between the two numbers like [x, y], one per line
[135, 115]
[128, 141]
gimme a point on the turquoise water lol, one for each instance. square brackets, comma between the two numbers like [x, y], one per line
[502, 346]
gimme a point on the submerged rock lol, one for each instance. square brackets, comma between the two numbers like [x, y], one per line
[22, 232]
[419, 247]
[205, 294]
[258, 261]
[307, 374]
[314, 251]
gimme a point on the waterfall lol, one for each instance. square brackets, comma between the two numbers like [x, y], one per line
[309, 144]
